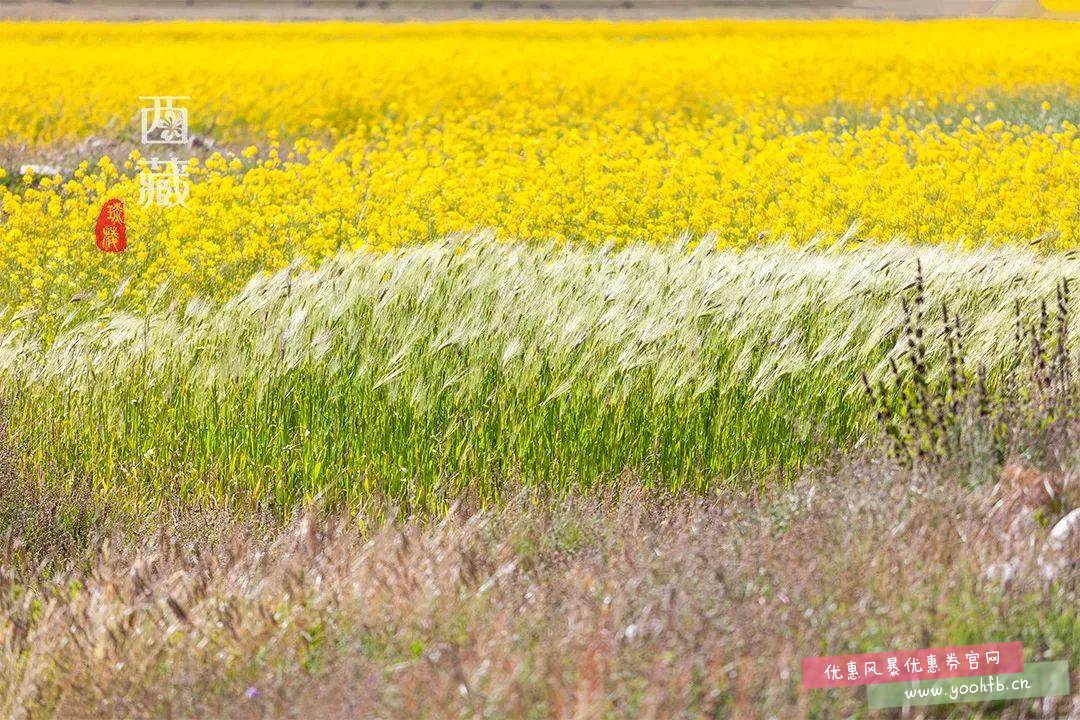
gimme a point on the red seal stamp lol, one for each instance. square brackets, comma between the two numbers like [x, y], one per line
[111, 230]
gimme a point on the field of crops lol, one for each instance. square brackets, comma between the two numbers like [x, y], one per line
[957, 132]
[429, 371]
[676, 275]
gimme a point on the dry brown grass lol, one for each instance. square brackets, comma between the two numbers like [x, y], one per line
[630, 606]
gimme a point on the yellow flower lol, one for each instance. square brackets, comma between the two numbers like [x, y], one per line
[379, 135]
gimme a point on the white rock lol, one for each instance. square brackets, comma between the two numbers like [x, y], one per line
[1003, 572]
[39, 170]
[1062, 547]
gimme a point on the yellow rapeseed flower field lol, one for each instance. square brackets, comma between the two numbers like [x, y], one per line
[334, 136]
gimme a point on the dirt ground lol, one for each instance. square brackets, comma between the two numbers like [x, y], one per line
[434, 10]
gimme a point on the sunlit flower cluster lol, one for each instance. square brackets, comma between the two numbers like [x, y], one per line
[369, 136]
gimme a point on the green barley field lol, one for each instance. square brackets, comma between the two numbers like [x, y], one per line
[469, 364]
